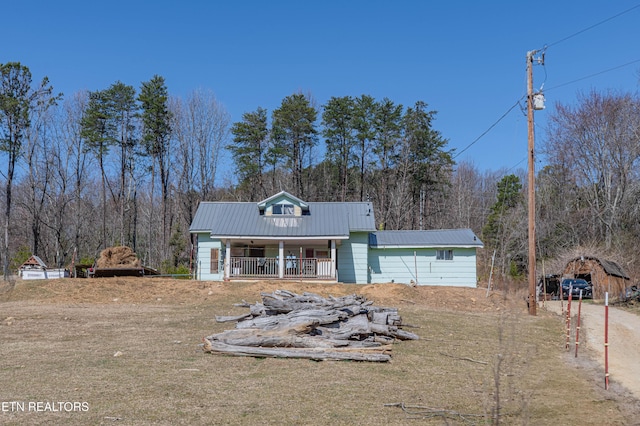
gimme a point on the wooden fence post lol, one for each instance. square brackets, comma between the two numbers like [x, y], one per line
[578, 324]
[569, 317]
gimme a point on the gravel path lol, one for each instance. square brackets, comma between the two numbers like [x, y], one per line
[624, 340]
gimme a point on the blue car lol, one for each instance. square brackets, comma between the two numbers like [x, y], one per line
[575, 285]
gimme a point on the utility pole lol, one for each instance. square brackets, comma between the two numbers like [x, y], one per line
[532, 181]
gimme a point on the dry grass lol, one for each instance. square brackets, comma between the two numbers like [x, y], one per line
[59, 339]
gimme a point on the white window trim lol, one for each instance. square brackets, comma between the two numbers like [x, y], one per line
[444, 257]
[286, 209]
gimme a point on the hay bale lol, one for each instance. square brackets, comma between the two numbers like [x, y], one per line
[118, 257]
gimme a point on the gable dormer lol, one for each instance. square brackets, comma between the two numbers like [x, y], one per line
[283, 204]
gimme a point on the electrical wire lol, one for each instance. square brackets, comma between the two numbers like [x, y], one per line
[591, 27]
[515, 165]
[593, 75]
[546, 90]
[560, 85]
[490, 127]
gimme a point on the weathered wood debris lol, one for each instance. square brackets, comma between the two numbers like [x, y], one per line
[289, 325]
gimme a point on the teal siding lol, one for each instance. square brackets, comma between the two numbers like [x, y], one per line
[353, 257]
[205, 244]
[360, 264]
[401, 266]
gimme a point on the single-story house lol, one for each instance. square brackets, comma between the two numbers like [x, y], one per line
[284, 237]
[604, 275]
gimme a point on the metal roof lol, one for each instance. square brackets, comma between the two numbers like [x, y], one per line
[34, 261]
[241, 219]
[421, 239]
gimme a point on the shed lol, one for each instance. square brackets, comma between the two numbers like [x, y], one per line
[604, 275]
[34, 262]
[35, 269]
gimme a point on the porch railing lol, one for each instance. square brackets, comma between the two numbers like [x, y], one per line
[267, 267]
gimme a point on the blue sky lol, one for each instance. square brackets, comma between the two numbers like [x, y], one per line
[465, 59]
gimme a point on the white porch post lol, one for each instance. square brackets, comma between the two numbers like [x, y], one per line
[227, 261]
[333, 259]
[281, 259]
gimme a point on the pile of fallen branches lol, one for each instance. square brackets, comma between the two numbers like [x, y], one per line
[289, 325]
[118, 257]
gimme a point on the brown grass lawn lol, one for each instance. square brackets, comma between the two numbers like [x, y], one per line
[129, 350]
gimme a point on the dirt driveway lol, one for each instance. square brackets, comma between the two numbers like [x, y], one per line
[624, 340]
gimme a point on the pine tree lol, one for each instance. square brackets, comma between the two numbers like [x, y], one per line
[294, 131]
[249, 151]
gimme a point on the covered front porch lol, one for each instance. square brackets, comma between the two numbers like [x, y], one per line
[282, 259]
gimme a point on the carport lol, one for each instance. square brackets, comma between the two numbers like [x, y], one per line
[604, 275]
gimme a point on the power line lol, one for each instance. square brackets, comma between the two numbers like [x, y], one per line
[591, 27]
[593, 75]
[560, 85]
[516, 165]
[548, 89]
[490, 127]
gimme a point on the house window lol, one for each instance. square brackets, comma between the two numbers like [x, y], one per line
[444, 255]
[215, 261]
[283, 209]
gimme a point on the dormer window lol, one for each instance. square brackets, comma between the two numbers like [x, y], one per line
[283, 209]
[283, 204]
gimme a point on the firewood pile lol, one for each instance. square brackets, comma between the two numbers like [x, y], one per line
[289, 325]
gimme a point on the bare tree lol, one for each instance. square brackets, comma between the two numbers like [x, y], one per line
[40, 169]
[465, 199]
[200, 128]
[598, 140]
[73, 179]
[18, 104]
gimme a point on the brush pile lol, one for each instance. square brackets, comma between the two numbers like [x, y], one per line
[289, 325]
[118, 257]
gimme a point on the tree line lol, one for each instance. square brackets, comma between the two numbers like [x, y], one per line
[374, 151]
[128, 166]
[115, 166]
